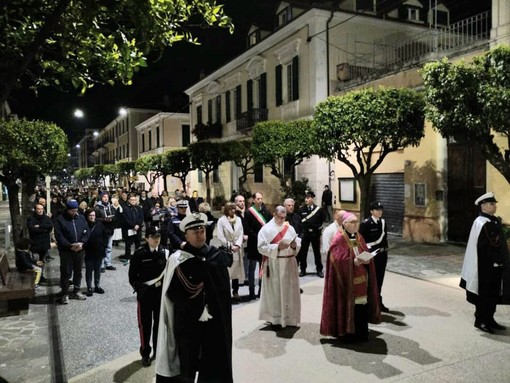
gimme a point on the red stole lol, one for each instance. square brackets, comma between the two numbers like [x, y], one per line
[276, 239]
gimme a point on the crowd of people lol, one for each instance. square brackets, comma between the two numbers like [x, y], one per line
[185, 287]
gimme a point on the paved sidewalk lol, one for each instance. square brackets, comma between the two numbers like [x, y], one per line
[428, 336]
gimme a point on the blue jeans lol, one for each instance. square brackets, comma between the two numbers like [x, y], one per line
[251, 276]
[107, 260]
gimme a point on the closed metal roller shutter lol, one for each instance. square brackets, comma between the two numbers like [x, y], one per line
[388, 188]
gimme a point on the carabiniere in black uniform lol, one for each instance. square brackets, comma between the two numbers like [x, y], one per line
[312, 218]
[376, 238]
[146, 270]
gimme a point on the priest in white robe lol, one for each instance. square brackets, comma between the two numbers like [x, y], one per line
[280, 301]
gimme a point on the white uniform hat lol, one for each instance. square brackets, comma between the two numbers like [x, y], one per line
[487, 197]
[193, 221]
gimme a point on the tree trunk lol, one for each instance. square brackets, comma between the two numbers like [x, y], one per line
[14, 209]
[27, 189]
[364, 182]
[165, 181]
[208, 187]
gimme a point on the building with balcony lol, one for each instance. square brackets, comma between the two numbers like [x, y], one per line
[118, 140]
[317, 51]
[161, 133]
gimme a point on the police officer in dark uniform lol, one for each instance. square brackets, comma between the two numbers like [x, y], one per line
[374, 231]
[176, 236]
[312, 218]
[146, 271]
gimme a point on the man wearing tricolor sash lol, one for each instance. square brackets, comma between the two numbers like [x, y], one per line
[255, 217]
[280, 301]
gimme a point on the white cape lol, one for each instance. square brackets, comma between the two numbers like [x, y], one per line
[470, 267]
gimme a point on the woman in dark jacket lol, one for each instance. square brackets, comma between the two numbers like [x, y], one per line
[95, 251]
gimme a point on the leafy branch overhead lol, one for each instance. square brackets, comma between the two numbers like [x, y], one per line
[470, 103]
[362, 127]
[281, 146]
[64, 42]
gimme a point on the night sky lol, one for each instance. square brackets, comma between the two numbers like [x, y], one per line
[161, 86]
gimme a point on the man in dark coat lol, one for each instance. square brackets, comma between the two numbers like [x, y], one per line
[254, 218]
[133, 219]
[292, 217]
[195, 326]
[105, 213]
[327, 203]
[71, 233]
[39, 227]
[375, 233]
[485, 262]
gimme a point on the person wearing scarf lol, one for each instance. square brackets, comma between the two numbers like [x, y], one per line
[351, 298]
[230, 234]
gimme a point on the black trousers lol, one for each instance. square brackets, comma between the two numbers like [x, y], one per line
[314, 240]
[69, 260]
[380, 261]
[486, 304]
[148, 319]
[93, 266]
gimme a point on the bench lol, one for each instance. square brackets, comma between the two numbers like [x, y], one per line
[16, 288]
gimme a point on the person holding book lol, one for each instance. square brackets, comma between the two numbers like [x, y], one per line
[351, 297]
[375, 232]
[278, 242]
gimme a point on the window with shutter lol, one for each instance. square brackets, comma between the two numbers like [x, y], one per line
[263, 91]
[238, 102]
[227, 106]
[249, 94]
[278, 84]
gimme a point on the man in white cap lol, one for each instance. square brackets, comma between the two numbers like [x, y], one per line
[195, 325]
[484, 262]
[176, 237]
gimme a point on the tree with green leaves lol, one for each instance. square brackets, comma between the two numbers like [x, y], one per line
[82, 43]
[281, 146]
[99, 174]
[470, 102]
[150, 167]
[362, 127]
[241, 154]
[127, 171]
[28, 150]
[177, 163]
[207, 157]
[111, 171]
[83, 175]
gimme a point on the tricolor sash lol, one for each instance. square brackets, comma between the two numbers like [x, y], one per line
[258, 215]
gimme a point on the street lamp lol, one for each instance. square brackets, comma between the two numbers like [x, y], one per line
[78, 113]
